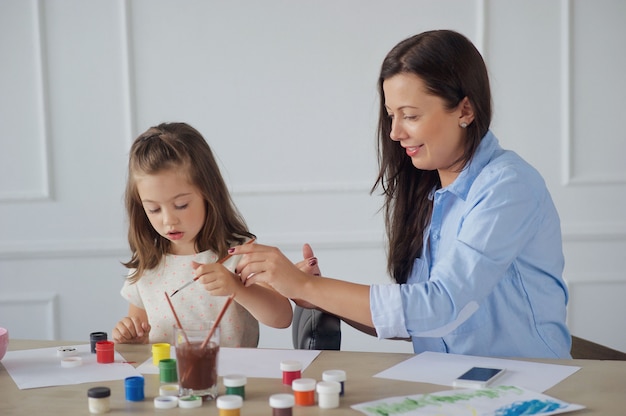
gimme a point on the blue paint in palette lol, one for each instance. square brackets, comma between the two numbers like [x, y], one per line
[531, 407]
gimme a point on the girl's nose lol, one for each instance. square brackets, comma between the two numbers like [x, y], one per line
[169, 217]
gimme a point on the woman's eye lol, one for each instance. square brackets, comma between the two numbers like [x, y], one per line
[152, 211]
[181, 206]
[408, 117]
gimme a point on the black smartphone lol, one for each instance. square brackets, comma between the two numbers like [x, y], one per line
[477, 377]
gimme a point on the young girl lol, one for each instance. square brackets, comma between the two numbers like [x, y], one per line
[475, 247]
[181, 221]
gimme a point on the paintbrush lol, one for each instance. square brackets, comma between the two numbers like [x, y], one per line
[176, 317]
[217, 321]
[220, 261]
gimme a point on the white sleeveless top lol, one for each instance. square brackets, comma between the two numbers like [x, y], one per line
[238, 328]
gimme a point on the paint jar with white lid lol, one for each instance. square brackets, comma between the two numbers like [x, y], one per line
[335, 375]
[229, 405]
[328, 394]
[282, 404]
[304, 391]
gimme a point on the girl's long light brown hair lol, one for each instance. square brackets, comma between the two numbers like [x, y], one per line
[452, 69]
[178, 146]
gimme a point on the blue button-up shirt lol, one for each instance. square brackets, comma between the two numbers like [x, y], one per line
[489, 280]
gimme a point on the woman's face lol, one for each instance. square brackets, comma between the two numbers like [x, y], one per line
[430, 134]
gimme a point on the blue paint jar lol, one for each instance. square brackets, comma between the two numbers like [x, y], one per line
[134, 389]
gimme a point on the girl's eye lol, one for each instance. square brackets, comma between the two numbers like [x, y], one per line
[181, 206]
[152, 211]
[407, 117]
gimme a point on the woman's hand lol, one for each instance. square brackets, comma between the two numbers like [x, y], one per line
[268, 265]
[309, 265]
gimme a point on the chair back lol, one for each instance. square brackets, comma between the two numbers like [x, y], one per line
[313, 329]
[588, 350]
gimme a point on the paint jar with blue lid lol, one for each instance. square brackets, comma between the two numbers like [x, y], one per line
[134, 389]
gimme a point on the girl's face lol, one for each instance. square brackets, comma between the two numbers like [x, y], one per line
[174, 207]
[430, 134]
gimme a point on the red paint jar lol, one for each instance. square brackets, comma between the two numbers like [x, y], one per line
[291, 370]
[105, 352]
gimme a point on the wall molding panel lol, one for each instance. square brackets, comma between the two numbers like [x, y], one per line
[128, 82]
[570, 176]
[111, 248]
[40, 117]
[42, 307]
[291, 240]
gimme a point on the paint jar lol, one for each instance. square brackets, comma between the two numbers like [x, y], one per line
[99, 400]
[189, 402]
[328, 394]
[165, 402]
[335, 375]
[291, 370]
[235, 384]
[167, 371]
[105, 352]
[304, 391]
[282, 404]
[134, 389]
[169, 390]
[95, 337]
[160, 352]
[229, 405]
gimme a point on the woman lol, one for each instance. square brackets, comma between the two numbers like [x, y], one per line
[474, 238]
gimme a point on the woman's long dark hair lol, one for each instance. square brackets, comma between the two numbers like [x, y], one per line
[178, 146]
[452, 69]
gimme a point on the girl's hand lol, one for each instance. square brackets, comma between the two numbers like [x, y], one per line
[268, 265]
[217, 279]
[132, 330]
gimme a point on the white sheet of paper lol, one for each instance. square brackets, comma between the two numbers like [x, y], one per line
[41, 367]
[251, 362]
[503, 400]
[440, 368]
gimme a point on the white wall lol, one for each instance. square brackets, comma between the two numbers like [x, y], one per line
[284, 92]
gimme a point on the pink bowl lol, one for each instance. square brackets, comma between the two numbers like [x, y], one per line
[4, 341]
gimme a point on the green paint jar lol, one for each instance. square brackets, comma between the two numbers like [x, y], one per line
[235, 384]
